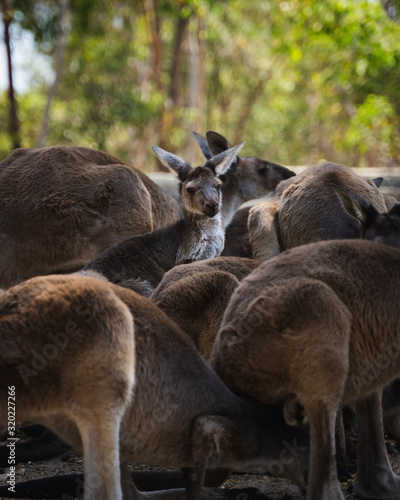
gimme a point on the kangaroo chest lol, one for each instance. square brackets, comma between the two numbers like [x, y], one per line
[205, 241]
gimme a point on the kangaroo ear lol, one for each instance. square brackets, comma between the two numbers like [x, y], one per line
[356, 206]
[217, 142]
[174, 163]
[202, 142]
[378, 181]
[221, 163]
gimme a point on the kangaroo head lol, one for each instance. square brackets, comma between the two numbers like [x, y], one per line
[382, 228]
[200, 187]
[254, 176]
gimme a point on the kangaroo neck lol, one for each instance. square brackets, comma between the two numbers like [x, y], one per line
[202, 238]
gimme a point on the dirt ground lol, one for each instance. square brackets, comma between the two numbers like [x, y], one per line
[274, 488]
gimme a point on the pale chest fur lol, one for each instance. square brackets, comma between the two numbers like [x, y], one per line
[206, 241]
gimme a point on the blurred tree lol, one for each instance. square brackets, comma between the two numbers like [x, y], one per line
[392, 8]
[299, 81]
[14, 124]
[58, 66]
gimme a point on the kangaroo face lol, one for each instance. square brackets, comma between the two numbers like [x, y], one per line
[201, 192]
[258, 177]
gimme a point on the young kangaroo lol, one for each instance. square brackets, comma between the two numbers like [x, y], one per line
[140, 262]
[67, 204]
[111, 374]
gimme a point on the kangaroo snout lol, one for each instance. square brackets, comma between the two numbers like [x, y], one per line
[211, 208]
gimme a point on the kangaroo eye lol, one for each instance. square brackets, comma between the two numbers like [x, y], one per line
[191, 190]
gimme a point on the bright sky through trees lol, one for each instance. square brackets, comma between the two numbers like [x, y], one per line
[299, 81]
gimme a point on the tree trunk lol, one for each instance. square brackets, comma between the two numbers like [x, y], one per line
[168, 120]
[180, 32]
[250, 101]
[59, 61]
[392, 9]
[197, 99]
[14, 125]
[153, 20]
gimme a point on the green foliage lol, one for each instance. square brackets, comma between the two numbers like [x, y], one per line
[30, 108]
[298, 80]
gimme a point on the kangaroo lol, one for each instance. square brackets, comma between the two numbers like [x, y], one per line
[63, 205]
[196, 295]
[185, 291]
[306, 210]
[114, 376]
[248, 178]
[140, 262]
[237, 243]
[239, 267]
[318, 322]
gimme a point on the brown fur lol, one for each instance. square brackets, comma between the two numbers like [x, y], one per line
[306, 209]
[321, 322]
[308, 305]
[63, 205]
[64, 334]
[140, 262]
[191, 304]
[87, 357]
[237, 266]
[195, 295]
[237, 242]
